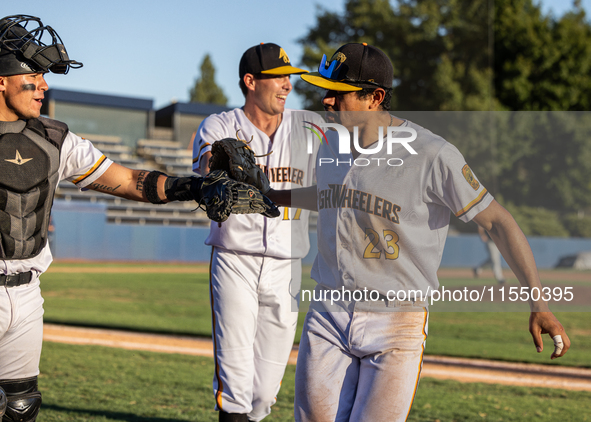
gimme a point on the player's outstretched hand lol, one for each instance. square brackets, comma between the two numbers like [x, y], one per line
[546, 323]
[223, 196]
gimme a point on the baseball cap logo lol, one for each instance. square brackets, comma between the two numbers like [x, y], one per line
[283, 55]
[340, 58]
[332, 69]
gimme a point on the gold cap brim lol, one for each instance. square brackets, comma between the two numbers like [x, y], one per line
[314, 78]
[284, 70]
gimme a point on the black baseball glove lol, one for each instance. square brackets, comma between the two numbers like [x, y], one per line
[237, 158]
[223, 196]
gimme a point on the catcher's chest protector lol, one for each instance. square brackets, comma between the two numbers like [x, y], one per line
[29, 164]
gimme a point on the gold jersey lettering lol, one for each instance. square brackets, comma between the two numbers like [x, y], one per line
[338, 196]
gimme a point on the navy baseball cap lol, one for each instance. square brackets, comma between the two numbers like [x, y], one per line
[269, 59]
[353, 67]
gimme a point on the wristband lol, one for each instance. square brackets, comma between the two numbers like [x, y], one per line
[151, 187]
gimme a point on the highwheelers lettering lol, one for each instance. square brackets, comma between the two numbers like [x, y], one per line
[338, 196]
[284, 174]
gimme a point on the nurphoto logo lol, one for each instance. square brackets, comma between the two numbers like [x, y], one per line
[392, 137]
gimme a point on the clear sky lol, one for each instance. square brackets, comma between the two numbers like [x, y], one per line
[152, 49]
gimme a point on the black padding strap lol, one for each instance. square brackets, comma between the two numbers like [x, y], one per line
[183, 188]
[151, 187]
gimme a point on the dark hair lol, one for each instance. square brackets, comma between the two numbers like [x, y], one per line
[384, 105]
[242, 86]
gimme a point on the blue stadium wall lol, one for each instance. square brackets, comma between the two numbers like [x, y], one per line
[82, 232]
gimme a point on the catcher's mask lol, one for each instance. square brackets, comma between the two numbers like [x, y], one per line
[27, 46]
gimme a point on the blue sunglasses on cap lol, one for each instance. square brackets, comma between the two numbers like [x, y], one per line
[334, 70]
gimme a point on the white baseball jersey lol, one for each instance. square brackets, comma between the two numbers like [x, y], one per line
[380, 227]
[289, 166]
[384, 227]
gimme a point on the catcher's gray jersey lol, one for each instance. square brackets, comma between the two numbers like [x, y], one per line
[383, 227]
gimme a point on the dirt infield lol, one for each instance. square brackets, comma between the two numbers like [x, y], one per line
[200, 268]
[460, 369]
[564, 275]
[131, 268]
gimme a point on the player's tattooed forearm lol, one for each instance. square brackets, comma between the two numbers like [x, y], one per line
[139, 186]
[28, 87]
[103, 188]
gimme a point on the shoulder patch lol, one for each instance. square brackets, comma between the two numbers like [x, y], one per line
[467, 172]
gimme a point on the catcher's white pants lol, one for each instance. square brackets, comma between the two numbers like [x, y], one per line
[21, 330]
[359, 366]
[253, 328]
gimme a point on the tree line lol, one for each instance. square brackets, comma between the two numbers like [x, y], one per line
[507, 84]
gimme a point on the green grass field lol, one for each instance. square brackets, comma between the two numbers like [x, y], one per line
[179, 303]
[91, 383]
[170, 303]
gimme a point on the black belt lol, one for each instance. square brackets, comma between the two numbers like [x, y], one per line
[14, 280]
